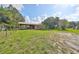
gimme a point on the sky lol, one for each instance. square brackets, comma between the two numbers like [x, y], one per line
[36, 13]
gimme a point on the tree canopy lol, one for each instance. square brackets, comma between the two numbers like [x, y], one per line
[57, 23]
[10, 15]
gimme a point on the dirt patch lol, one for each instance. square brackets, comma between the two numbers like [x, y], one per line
[65, 42]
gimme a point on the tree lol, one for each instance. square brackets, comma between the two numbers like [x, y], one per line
[15, 17]
[72, 24]
[63, 24]
[51, 22]
[13, 14]
[55, 23]
[9, 17]
[4, 19]
[77, 24]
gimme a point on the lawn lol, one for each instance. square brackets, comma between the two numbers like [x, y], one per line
[23, 41]
[32, 42]
[73, 31]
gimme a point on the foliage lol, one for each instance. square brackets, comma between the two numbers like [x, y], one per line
[51, 22]
[11, 15]
[61, 24]
[55, 23]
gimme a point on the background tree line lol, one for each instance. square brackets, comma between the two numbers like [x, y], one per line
[61, 24]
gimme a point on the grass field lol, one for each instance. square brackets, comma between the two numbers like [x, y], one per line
[73, 31]
[33, 41]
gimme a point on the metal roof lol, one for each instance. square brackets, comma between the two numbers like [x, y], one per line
[24, 23]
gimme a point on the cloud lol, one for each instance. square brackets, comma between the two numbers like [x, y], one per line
[4, 5]
[39, 19]
[67, 11]
[37, 4]
[73, 16]
[64, 5]
[27, 19]
[18, 6]
[34, 20]
[44, 16]
[77, 9]
[70, 18]
[59, 14]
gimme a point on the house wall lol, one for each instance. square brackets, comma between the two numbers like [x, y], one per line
[25, 26]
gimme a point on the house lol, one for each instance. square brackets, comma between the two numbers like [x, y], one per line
[23, 25]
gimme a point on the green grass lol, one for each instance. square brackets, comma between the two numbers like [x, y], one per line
[31, 41]
[23, 41]
[73, 31]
